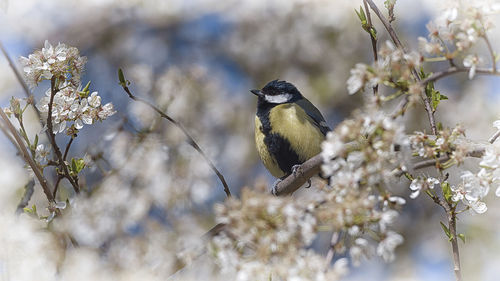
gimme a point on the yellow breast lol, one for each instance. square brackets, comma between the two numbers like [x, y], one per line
[291, 122]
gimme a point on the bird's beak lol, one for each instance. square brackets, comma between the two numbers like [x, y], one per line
[256, 92]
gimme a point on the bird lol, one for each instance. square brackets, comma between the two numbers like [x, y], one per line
[289, 129]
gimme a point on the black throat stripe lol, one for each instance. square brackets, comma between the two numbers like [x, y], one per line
[277, 145]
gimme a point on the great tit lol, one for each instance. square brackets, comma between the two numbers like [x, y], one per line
[289, 129]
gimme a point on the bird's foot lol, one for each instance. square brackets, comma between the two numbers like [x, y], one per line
[274, 189]
[296, 169]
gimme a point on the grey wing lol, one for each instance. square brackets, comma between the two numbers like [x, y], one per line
[314, 113]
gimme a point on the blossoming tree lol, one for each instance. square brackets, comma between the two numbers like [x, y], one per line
[138, 221]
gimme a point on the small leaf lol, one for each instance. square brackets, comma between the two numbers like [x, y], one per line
[445, 186]
[31, 211]
[77, 165]
[361, 14]
[462, 237]
[86, 88]
[73, 164]
[446, 230]
[121, 78]
[373, 33]
[85, 91]
[439, 126]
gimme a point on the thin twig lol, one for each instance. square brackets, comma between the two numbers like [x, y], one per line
[387, 25]
[331, 251]
[492, 53]
[494, 137]
[452, 226]
[191, 140]
[52, 138]
[453, 70]
[56, 185]
[67, 148]
[27, 157]
[373, 40]
[430, 162]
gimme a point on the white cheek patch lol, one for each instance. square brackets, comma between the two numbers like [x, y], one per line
[281, 98]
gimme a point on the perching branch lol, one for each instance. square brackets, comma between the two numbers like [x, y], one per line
[295, 180]
[191, 140]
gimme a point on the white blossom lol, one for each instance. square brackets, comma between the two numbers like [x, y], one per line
[59, 61]
[357, 79]
[41, 153]
[386, 247]
[472, 62]
[68, 106]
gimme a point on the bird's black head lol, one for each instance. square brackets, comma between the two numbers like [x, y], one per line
[278, 92]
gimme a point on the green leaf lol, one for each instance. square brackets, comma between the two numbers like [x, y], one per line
[434, 95]
[85, 91]
[439, 126]
[77, 165]
[462, 237]
[121, 78]
[361, 15]
[31, 211]
[445, 186]
[373, 32]
[364, 22]
[446, 231]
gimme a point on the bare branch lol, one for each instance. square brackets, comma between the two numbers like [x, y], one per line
[191, 140]
[373, 40]
[494, 137]
[27, 157]
[452, 226]
[66, 150]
